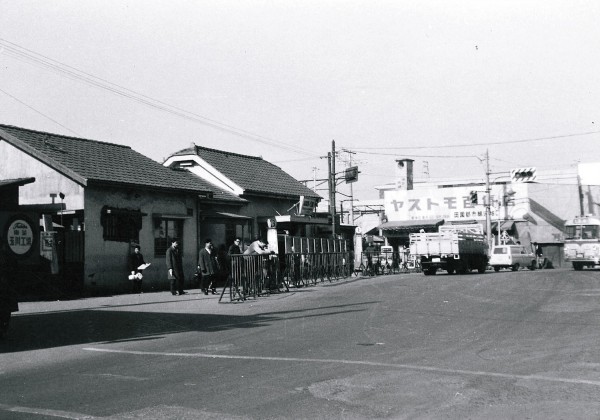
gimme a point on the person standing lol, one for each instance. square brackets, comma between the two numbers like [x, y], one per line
[208, 266]
[174, 261]
[257, 247]
[539, 255]
[234, 248]
[135, 260]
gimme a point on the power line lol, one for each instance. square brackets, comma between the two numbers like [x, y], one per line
[411, 155]
[39, 112]
[445, 146]
[31, 57]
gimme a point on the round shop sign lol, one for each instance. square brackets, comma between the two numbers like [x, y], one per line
[20, 236]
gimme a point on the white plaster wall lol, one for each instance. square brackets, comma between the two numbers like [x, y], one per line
[107, 260]
[17, 164]
[560, 199]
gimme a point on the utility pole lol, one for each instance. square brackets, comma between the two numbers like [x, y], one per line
[351, 221]
[488, 213]
[580, 192]
[332, 187]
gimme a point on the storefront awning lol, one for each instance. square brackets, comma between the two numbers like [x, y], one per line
[505, 225]
[302, 220]
[407, 226]
[171, 216]
[374, 238]
[224, 215]
[19, 182]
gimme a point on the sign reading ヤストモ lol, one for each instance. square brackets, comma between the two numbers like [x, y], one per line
[450, 204]
[19, 236]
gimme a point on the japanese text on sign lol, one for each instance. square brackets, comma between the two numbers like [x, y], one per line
[19, 237]
[446, 203]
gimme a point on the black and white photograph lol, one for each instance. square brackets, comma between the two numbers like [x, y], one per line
[267, 209]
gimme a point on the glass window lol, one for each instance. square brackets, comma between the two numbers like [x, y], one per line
[590, 232]
[164, 232]
[120, 225]
[573, 232]
[581, 232]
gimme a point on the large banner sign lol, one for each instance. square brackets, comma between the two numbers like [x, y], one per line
[450, 204]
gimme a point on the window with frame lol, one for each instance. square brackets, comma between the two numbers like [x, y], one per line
[165, 230]
[238, 230]
[120, 225]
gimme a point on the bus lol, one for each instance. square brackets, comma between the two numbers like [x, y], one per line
[582, 241]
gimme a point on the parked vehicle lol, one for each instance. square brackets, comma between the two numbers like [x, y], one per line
[582, 241]
[513, 257]
[8, 303]
[386, 256]
[451, 250]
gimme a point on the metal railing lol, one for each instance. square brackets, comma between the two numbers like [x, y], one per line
[251, 276]
[379, 263]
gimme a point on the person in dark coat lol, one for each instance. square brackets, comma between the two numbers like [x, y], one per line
[174, 261]
[234, 248]
[135, 260]
[208, 266]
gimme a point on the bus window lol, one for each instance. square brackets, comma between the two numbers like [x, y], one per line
[590, 232]
[573, 232]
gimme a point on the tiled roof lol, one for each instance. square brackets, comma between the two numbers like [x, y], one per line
[87, 161]
[253, 174]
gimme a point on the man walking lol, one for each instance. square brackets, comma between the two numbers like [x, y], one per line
[174, 261]
[208, 266]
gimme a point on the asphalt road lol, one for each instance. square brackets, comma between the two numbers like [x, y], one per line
[491, 346]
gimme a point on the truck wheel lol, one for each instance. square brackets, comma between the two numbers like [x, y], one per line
[481, 269]
[515, 267]
[496, 269]
[577, 266]
[533, 265]
[450, 271]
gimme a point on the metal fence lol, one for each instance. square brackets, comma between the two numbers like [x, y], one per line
[251, 276]
[379, 263]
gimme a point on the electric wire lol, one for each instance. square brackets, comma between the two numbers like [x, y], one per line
[444, 146]
[25, 55]
[39, 112]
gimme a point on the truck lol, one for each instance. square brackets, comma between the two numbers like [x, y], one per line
[582, 241]
[454, 248]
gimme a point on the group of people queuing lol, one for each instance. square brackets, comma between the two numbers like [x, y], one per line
[212, 266]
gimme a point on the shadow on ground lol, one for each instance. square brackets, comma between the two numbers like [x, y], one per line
[64, 328]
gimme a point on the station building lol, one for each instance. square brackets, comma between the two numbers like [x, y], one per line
[72, 209]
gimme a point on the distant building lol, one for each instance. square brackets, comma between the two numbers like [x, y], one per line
[523, 211]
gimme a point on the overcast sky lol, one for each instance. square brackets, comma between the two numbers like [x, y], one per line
[282, 79]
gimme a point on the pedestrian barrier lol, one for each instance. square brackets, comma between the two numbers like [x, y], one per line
[252, 276]
[379, 263]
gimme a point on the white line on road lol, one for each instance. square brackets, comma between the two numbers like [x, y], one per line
[359, 363]
[45, 412]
